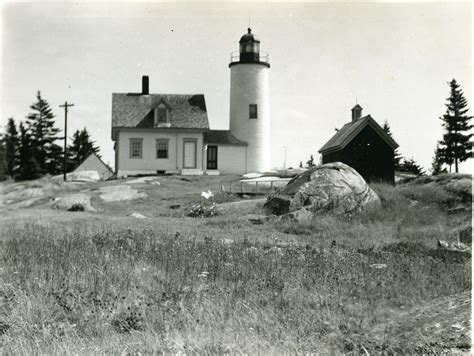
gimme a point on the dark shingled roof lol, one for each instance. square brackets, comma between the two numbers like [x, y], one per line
[135, 110]
[223, 137]
[350, 130]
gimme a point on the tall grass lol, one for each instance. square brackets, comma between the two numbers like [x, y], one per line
[133, 290]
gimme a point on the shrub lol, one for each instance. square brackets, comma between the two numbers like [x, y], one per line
[203, 211]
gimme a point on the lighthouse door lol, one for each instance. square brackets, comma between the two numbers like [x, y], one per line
[189, 154]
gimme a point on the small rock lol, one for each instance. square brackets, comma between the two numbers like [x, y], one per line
[453, 246]
[465, 234]
[278, 205]
[138, 216]
[378, 265]
[76, 207]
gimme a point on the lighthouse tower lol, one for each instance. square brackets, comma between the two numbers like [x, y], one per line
[249, 102]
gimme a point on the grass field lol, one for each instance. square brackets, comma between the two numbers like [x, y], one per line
[78, 282]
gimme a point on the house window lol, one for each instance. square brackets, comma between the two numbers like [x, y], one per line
[136, 147]
[161, 115]
[253, 111]
[161, 148]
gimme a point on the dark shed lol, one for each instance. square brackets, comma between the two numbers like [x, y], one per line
[365, 146]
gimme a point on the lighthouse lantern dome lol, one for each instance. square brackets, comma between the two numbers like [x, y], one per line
[249, 47]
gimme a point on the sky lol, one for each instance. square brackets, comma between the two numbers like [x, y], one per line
[394, 59]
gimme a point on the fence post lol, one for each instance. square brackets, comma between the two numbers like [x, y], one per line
[256, 186]
[271, 186]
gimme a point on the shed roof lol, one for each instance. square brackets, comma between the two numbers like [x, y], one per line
[351, 130]
[98, 157]
[222, 137]
[186, 111]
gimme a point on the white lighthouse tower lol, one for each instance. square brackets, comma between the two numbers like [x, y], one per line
[249, 102]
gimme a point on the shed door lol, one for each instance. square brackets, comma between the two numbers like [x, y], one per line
[189, 154]
[211, 157]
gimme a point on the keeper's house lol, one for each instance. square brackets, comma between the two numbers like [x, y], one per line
[165, 133]
[365, 146]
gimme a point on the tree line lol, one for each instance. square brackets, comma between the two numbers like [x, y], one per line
[29, 150]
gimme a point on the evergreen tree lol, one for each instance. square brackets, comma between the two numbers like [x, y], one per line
[397, 157]
[410, 166]
[437, 164]
[81, 147]
[3, 163]
[45, 151]
[11, 148]
[456, 145]
[301, 164]
[28, 168]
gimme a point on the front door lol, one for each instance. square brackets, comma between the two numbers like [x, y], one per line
[211, 157]
[189, 154]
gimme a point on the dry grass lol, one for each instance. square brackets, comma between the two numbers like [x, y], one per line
[219, 285]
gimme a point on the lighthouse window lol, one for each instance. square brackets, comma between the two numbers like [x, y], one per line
[253, 111]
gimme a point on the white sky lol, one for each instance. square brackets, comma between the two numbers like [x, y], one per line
[396, 58]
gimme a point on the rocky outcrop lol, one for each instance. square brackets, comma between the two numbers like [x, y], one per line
[333, 187]
[73, 202]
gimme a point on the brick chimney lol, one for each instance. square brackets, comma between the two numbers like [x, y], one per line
[356, 112]
[145, 85]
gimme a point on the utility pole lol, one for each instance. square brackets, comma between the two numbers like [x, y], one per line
[65, 106]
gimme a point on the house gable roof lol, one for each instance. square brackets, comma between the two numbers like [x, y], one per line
[186, 111]
[350, 130]
[223, 137]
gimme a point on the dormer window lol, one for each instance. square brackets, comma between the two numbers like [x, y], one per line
[161, 115]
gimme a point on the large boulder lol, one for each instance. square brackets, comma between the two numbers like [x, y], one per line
[334, 187]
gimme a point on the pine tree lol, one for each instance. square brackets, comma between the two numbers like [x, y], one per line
[437, 164]
[397, 157]
[410, 166]
[11, 148]
[301, 164]
[81, 147]
[28, 168]
[456, 146]
[3, 163]
[45, 151]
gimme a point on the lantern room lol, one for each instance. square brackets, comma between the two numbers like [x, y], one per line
[249, 47]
